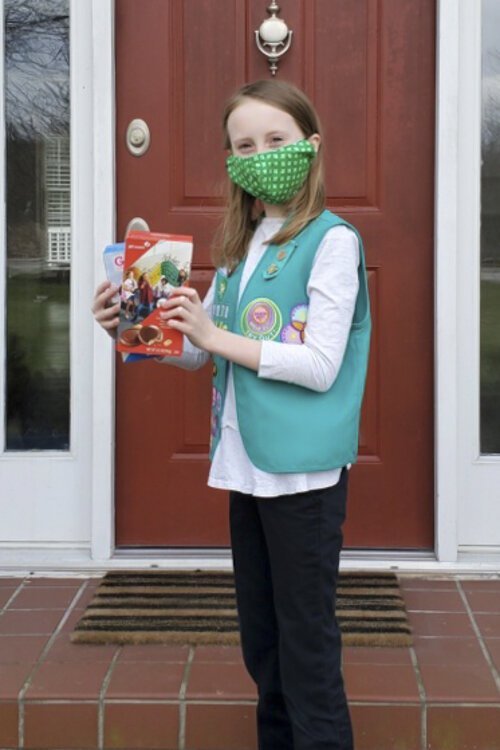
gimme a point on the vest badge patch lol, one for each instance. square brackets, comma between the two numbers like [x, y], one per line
[215, 420]
[261, 319]
[221, 288]
[294, 332]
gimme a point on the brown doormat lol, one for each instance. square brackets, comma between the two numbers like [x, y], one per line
[199, 607]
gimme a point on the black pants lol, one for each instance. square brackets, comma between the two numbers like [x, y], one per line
[286, 556]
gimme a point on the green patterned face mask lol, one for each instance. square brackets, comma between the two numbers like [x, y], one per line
[273, 176]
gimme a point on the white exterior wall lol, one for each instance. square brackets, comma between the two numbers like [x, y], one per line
[57, 512]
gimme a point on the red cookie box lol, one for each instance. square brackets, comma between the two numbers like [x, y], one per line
[155, 264]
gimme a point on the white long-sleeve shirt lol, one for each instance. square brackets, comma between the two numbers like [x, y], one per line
[332, 289]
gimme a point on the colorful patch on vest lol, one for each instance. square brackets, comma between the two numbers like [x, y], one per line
[221, 289]
[216, 399]
[261, 319]
[214, 426]
[294, 332]
[216, 413]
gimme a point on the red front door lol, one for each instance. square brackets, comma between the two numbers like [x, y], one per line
[369, 68]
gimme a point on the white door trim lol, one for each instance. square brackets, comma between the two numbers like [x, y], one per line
[468, 483]
[45, 494]
[103, 391]
[445, 289]
[478, 474]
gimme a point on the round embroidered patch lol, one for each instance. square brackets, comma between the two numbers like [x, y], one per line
[290, 335]
[261, 319]
[293, 333]
[298, 315]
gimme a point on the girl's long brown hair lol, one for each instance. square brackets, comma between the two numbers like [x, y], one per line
[242, 214]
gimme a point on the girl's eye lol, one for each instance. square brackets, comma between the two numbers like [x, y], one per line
[276, 140]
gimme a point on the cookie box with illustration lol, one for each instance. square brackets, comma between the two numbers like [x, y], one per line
[155, 264]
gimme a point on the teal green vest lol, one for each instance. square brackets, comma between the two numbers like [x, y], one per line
[285, 427]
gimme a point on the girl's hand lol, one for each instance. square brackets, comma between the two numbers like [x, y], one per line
[105, 312]
[185, 313]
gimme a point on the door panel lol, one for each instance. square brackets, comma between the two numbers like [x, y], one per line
[369, 68]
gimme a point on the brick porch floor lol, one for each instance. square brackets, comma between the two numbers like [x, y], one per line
[442, 694]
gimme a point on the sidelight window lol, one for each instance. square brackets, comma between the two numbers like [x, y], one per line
[38, 230]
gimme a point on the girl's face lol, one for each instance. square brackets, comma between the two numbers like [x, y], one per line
[255, 126]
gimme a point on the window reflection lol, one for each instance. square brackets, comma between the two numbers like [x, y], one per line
[38, 223]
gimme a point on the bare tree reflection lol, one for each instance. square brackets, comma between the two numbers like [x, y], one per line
[37, 65]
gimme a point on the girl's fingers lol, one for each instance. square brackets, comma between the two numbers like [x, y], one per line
[103, 295]
[185, 291]
[189, 291]
[178, 324]
[174, 312]
[108, 323]
[109, 318]
[174, 307]
[102, 286]
[107, 312]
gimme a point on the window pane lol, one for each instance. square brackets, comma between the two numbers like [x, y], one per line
[38, 223]
[490, 229]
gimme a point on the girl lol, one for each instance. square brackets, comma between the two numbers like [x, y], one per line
[146, 296]
[128, 290]
[287, 323]
[161, 290]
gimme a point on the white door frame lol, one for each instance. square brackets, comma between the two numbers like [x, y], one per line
[445, 284]
[456, 270]
[478, 528]
[104, 190]
[44, 496]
